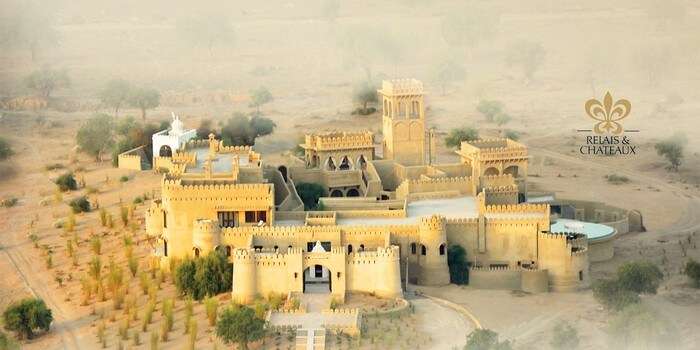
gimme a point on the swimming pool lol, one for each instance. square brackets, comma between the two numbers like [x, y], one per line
[591, 230]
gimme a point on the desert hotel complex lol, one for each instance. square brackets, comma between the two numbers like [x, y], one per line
[384, 221]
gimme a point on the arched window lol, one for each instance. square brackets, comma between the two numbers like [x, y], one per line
[353, 192]
[165, 247]
[276, 247]
[362, 247]
[442, 249]
[336, 193]
[344, 163]
[165, 151]
[491, 171]
[414, 249]
[423, 250]
[349, 248]
[196, 252]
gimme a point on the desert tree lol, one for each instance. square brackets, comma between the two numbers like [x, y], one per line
[206, 128]
[449, 71]
[241, 130]
[457, 264]
[456, 136]
[239, 325]
[310, 194]
[210, 30]
[5, 149]
[502, 118]
[115, 94]
[259, 97]
[692, 270]
[490, 109]
[365, 93]
[527, 56]
[47, 80]
[27, 25]
[672, 149]
[144, 99]
[96, 136]
[26, 316]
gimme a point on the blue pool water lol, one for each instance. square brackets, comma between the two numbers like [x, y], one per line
[593, 231]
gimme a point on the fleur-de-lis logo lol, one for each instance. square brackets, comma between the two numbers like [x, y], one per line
[608, 114]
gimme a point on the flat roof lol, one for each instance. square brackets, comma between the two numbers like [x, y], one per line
[222, 162]
[451, 208]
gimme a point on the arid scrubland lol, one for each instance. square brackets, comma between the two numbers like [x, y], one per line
[510, 68]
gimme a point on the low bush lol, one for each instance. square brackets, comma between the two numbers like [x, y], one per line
[80, 205]
[66, 182]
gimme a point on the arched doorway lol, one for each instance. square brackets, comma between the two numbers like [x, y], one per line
[317, 279]
[336, 193]
[353, 192]
[512, 170]
[196, 252]
[491, 171]
[165, 151]
[344, 164]
[330, 164]
[283, 171]
[362, 162]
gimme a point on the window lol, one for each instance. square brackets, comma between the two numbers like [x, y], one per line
[165, 220]
[250, 216]
[362, 247]
[196, 252]
[423, 250]
[165, 248]
[318, 271]
[413, 248]
[580, 275]
[228, 250]
[257, 247]
[349, 248]
[442, 249]
[227, 218]
[262, 216]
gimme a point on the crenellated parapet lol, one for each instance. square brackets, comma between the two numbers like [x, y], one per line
[335, 141]
[398, 87]
[206, 235]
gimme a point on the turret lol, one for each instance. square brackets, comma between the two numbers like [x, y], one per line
[565, 256]
[432, 261]
[244, 271]
[206, 235]
[389, 286]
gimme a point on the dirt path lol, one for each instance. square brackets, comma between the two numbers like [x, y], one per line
[447, 328]
[17, 250]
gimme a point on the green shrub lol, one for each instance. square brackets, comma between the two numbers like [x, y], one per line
[640, 277]
[490, 109]
[309, 194]
[205, 276]
[486, 339]
[617, 179]
[512, 134]
[80, 205]
[613, 296]
[456, 136]
[240, 325]
[26, 316]
[66, 182]
[5, 149]
[9, 202]
[692, 270]
[124, 178]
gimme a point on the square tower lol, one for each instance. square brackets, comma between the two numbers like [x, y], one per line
[403, 121]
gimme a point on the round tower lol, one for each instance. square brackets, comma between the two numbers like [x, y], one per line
[432, 260]
[389, 286]
[244, 283]
[206, 235]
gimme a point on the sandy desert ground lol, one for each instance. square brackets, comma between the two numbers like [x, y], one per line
[287, 46]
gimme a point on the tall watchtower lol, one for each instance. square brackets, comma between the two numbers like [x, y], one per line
[403, 121]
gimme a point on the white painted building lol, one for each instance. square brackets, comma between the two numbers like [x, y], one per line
[165, 142]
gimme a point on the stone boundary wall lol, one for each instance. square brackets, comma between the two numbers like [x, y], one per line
[130, 159]
[460, 185]
[622, 220]
[527, 280]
